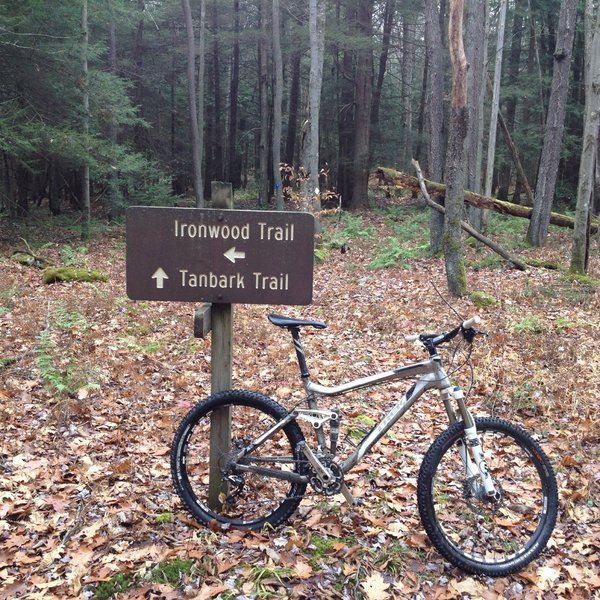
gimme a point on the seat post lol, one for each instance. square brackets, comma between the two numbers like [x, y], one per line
[295, 331]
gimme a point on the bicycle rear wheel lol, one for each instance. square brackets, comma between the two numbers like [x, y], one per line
[249, 494]
[475, 533]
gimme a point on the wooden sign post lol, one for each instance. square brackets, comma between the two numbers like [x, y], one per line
[223, 257]
[221, 352]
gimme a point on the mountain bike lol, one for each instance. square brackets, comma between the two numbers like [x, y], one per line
[486, 492]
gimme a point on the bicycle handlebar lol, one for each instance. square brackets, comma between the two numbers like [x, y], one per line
[436, 339]
[470, 322]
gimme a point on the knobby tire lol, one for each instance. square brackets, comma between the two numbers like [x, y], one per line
[475, 534]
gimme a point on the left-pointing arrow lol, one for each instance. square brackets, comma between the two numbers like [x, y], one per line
[160, 276]
[232, 254]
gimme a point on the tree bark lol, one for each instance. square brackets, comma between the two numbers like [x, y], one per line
[455, 157]
[555, 120]
[85, 174]
[114, 203]
[468, 228]
[233, 159]
[277, 97]
[362, 100]
[435, 110]
[191, 86]
[585, 188]
[201, 70]
[293, 103]
[310, 137]
[407, 67]
[388, 21]
[510, 98]
[476, 49]
[491, 154]
[263, 143]
[438, 191]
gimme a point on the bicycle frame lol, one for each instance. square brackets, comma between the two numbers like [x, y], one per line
[432, 375]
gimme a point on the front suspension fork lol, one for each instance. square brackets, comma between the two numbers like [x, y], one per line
[471, 452]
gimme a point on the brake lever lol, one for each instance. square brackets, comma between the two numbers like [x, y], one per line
[469, 334]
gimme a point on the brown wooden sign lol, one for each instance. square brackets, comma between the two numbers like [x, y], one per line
[221, 256]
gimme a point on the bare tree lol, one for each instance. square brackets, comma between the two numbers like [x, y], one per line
[435, 109]
[263, 144]
[363, 86]
[191, 85]
[277, 95]
[455, 156]
[310, 148]
[589, 151]
[555, 122]
[85, 173]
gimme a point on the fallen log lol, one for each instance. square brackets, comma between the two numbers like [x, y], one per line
[517, 262]
[391, 177]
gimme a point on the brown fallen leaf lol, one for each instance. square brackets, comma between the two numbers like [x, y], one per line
[375, 587]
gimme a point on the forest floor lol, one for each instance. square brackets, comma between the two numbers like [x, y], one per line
[93, 386]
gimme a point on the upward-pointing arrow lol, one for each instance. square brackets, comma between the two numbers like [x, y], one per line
[160, 276]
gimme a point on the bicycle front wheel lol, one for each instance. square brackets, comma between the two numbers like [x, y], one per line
[263, 487]
[472, 531]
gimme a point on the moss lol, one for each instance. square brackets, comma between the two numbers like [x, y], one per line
[482, 299]
[31, 260]
[166, 517]
[543, 264]
[172, 571]
[55, 274]
[583, 279]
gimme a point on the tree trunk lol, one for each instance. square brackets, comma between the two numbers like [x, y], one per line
[583, 211]
[263, 143]
[277, 96]
[555, 120]
[470, 230]
[491, 154]
[510, 98]
[435, 110]
[85, 174]
[345, 175]
[363, 85]
[438, 190]
[407, 66]
[138, 76]
[455, 157]
[311, 134]
[201, 70]
[388, 21]
[233, 159]
[191, 86]
[114, 201]
[293, 103]
[476, 50]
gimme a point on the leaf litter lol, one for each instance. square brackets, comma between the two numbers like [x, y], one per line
[84, 473]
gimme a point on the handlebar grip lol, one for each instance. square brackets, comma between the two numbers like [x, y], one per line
[470, 322]
[411, 338]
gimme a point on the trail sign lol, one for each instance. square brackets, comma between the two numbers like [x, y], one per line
[220, 256]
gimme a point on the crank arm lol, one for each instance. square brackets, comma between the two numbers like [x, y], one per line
[273, 473]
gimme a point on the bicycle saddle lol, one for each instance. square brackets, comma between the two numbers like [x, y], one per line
[290, 323]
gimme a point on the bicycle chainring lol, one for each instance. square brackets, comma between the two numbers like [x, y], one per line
[327, 488]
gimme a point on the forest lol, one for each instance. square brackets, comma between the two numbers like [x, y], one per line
[448, 150]
[114, 103]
